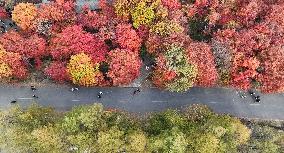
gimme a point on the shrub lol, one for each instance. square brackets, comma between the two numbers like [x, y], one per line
[264, 139]
[223, 60]
[82, 70]
[43, 27]
[24, 15]
[124, 66]
[198, 112]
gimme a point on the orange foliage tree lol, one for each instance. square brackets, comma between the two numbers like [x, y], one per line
[30, 47]
[11, 65]
[60, 13]
[24, 15]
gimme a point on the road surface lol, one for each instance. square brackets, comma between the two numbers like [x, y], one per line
[148, 100]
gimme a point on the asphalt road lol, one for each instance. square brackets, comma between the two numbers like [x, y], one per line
[148, 100]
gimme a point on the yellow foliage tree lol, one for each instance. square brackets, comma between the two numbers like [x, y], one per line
[165, 28]
[83, 71]
[143, 14]
[5, 69]
[24, 15]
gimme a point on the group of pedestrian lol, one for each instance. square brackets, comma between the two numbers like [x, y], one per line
[73, 89]
[100, 93]
[33, 89]
[254, 96]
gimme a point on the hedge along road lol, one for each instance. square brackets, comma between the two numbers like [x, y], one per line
[148, 100]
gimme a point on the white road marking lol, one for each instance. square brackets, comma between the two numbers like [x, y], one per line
[158, 101]
[24, 98]
[122, 101]
[213, 102]
[75, 100]
[254, 104]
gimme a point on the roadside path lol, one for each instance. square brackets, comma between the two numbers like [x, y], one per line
[148, 100]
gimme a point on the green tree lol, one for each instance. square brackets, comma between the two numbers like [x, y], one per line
[17, 125]
[264, 139]
[84, 118]
[136, 142]
[110, 141]
[203, 143]
[48, 139]
[167, 120]
[171, 141]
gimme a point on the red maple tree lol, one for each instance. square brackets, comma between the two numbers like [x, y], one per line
[124, 66]
[74, 40]
[127, 37]
[57, 71]
[200, 54]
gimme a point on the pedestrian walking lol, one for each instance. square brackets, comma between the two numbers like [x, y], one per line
[33, 88]
[13, 101]
[73, 89]
[251, 93]
[135, 91]
[34, 96]
[243, 96]
[257, 99]
[147, 68]
[100, 94]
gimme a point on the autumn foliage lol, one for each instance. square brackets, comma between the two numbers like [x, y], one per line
[127, 37]
[207, 73]
[57, 71]
[83, 71]
[73, 40]
[24, 15]
[12, 66]
[204, 43]
[124, 66]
